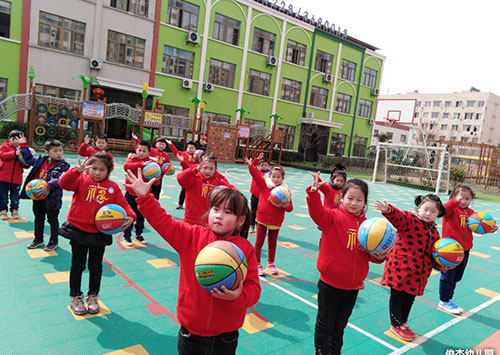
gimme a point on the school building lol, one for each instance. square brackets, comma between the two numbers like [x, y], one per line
[248, 53]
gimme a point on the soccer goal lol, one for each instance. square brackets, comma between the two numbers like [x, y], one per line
[420, 167]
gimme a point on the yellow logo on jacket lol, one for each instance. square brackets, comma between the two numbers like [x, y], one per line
[352, 236]
[463, 220]
[97, 193]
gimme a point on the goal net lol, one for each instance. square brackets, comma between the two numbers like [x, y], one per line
[413, 166]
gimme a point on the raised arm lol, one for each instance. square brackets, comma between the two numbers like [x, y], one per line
[187, 177]
[399, 219]
[71, 180]
[319, 214]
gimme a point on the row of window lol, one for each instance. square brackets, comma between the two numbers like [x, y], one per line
[4, 19]
[390, 135]
[456, 115]
[469, 103]
[444, 127]
[337, 145]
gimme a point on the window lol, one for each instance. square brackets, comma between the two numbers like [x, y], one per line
[177, 62]
[427, 104]
[53, 91]
[444, 127]
[456, 116]
[221, 73]
[471, 103]
[453, 139]
[432, 126]
[454, 127]
[458, 103]
[138, 7]
[447, 104]
[370, 79]
[468, 115]
[337, 144]
[475, 140]
[263, 42]
[61, 33]
[348, 70]
[434, 114]
[477, 128]
[295, 53]
[125, 49]
[416, 114]
[375, 132]
[226, 29]
[436, 103]
[4, 19]
[419, 103]
[175, 111]
[446, 115]
[359, 149]
[290, 90]
[402, 138]
[323, 62]
[343, 103]
[257, 128]
[182, 14]
[258, 82]
[217, 117]
[480, 104]
[425, 115]
[289, 135]
[365, 108]
[318, 97]
[465, 139]
[479, 116]
[442, 138]
[3, 88]
[467, 127]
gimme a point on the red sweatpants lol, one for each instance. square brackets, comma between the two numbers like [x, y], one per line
[272, 241]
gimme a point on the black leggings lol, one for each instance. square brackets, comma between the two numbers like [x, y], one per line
[400, 305]
[182, 196]
[78, 261]
[254, 201]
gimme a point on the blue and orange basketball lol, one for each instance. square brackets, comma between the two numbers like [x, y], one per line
[280, 197]
[33, 189]
[377, 235]
[220, 263]
[447, 252]
[168, 169]
[214, 191]
[110, 218]
[150, 171]
[481, 222]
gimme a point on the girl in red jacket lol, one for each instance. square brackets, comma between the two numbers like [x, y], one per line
[342, 264]
[199, 181]
[333, 188]
[92, 190]
[11, 174]
[101, 145]
[209, 321]
[410, 262]
[269, 217]
[455, 226]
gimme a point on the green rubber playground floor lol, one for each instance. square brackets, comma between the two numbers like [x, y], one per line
[139, 291]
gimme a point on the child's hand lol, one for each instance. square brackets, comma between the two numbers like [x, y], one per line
[446, 268]
[316, 182]
[82, 167]
[42, 191]
[128, 223]
[494, 229]
[140, 187]
[179, 156]
[261, 155]
[247, 161]
[21, 140]
[382, 207]
[86, 139]
[226, 294]
[134, 136]
[18, 150]
[168, 141]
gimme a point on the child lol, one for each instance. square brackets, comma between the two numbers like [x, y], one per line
[11, 175]
[101, 145]
[189, 159]
[269, 217]
[455, 226]
[134, 162]
[342, 264]
[209, 320]
[263, 167]
[199, 181]
[410, 263]
[49, 167]
[92, 190]
[333, 188]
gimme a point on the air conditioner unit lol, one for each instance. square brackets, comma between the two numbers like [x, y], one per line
[209, 87]
[371, 122]
[328, 78]
[375, 92]
[309, 114]
[193, 37]
[95, 64]
[272, 61]
[187, 83]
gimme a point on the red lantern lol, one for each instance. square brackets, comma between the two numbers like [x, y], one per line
[98, 92]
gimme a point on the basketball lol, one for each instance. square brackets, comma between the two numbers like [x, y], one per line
[481, 222]
[33, 189]
[280, 197]
[197, 154]
[376, 235]
[110, 218]
[220, 263]
[167, 169]
[447, 252]
[214, 191]
[151, 170]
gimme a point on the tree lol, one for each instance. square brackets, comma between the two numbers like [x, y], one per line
[308, 138]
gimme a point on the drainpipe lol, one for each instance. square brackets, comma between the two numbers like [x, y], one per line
[308, 75]
[356, 104]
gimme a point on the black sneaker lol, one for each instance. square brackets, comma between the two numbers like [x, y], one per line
[51, 246]
[140, 239]
[36, 244]
[128, 242]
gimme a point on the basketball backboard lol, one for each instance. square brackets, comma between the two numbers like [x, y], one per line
[401, 111]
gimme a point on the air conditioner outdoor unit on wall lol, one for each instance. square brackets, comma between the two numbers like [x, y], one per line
[375, 92]
[272, 61]
[328, 78]
[95, 64]
[209, 87]
[187, 83]
[309, 114]
[193, 37]
[371, 122]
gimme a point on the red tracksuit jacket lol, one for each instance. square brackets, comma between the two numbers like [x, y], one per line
[87, 151]
[11, 169]
[341, 262]
[267, 213]
[197, 310]
[133, 163]
[455, 224]
[410, 261]
[189, 159]
[89, 197]
[332, 196]
[198, 193]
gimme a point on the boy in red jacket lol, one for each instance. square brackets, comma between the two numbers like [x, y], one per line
[101, 145]
[189, 159]
[11, 174]
[263, 167]
[134, 162]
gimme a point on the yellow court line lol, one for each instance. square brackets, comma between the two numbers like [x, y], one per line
[254, 324]
[135, 350]
[104, 310]
[486, 292]
[479, 255]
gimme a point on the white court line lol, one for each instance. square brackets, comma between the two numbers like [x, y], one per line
[364, 332]
[443, 327]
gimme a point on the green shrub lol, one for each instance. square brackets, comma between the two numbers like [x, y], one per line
[457, 174]
[7, 126]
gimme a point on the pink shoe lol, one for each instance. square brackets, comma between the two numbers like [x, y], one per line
[408, 329]
[272, 269]
[260, 270]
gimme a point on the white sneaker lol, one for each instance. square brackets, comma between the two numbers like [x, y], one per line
[450, 307]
